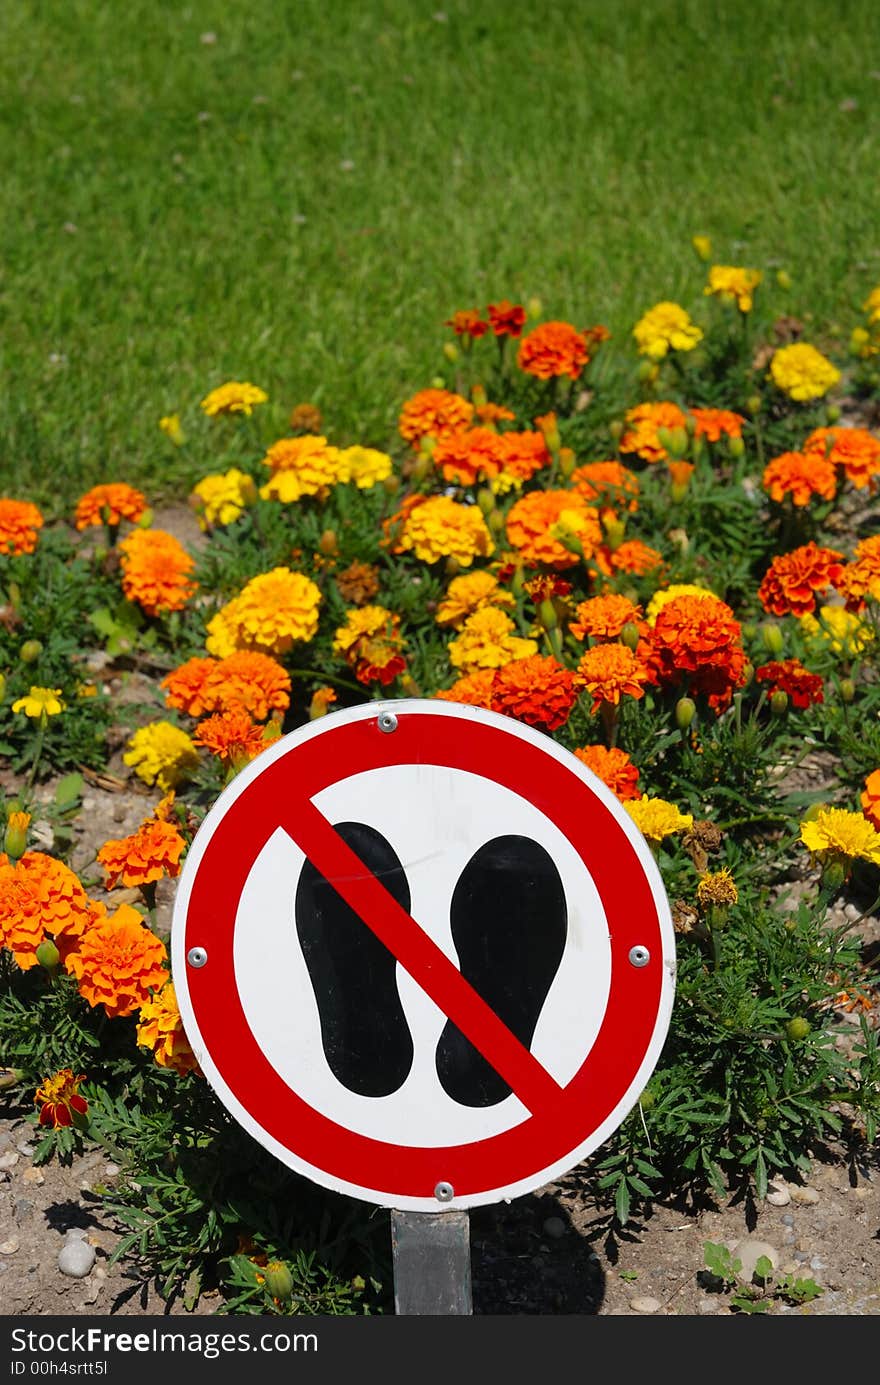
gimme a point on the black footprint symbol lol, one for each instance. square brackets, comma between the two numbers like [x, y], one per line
[366, 1038]
[509, 925]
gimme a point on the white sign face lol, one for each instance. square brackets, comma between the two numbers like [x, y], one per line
[439, 955]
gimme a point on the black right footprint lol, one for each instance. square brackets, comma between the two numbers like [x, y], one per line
[509, 924]
[364, 1032]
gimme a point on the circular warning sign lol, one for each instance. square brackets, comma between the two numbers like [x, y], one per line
[423, 955]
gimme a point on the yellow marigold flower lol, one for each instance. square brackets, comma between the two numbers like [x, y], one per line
[733, 285]
[306, 465]
[235, 397]
[161, 1029]
[702, 245]
[836, 629]
[486, 641]
[170, 425]
[273, 612]
[716, 887]
[222, 497]
[666, 594]
[666, 327]
[365, 466]
[656, 819]
[470, 593]
[871, 305]
[836, 835]
[40, 702]
[802, 372]
[440, 527]
[161, 754]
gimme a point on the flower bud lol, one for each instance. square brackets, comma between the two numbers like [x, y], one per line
[753, 403]
[797, 1028]
[685, 711]
[749, 631]
[438, 382]
[547, 615]
[834, 875]
[534, 309]
[783, 278]
[450, 351]
[391, 485]
[615, 530]
[30, 651]
[648, 372]
[748, 673]
[485, 500]
[678, 490]
[550, 428]
[408, 686]
[328, 544]
[664, 437]
[479, 396]
[736, 447]
[566, 461]
[778, 703]
[615, 429]
[452, 567]
[279, 1280]
[516, 582]
[832, 413]
[48, 956]
[772, 637]
[681, 539]
[629, 636]
[496, 522]
[847, 689]
[146, 519]
[2, 686]
[15, 841]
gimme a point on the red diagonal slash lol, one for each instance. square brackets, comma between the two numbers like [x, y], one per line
[426, 963]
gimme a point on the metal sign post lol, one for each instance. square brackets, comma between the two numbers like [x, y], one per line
[432, 1263]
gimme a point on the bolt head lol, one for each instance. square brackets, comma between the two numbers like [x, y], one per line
[444, 1192]
[387, 722]
[639, 956]
[197, 956]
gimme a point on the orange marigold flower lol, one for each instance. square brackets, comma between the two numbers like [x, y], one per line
[792, 581]
[156, 571]
[468, 455]
[522, 454]
[109, 504]
[532, 519]
[800, 475]
[186, 687]
[698, 639]
[790, 676]
[20, 522]
[489, 413]
[148, 854]
[306, 465]
[118, 962]
[713, 424]
[611, 671]
[433, 413]
[474, 689]
[615, 769]
[607, 483]
[232, 736]
[537, 690]
[603, 617]
[645, 422]
[161, 1029]
[870, 799]
[861, 578]
[58, 1099]
[321, 701]
[249, 679]
[553, 349]
[40, 896]
[854, 449]
[507, 319]
[634, 556]
[467, 323]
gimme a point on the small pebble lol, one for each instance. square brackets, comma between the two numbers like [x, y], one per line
[23, 1209]
[706, 1305]
[788, 1220]
[112, 1170]
[802, 1256]
[750, 1252]
[10, 1246]
[24, 1147]
[554, 1227]
[779, 1197]
[805, 1196]
[8, 1159]
[75, 1258]
[34, 1177]
[645, 1305]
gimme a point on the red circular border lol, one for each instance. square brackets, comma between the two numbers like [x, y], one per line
[542, 1139]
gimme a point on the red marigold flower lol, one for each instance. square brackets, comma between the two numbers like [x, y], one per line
[59, 1100]
[467, 323]
[433, 413]
[109, 504]
[469, 455]
[148, 854]
[854, 449]
[537, 690]
[790, 676]
[800, 475]
[611, 671]
[474, 689]
[615, 769]
[156, 571]
[553, 349]
[634, 556]
[507, 319]
[232, 736]
[607, 483]
[522, 454]
[698, 640]
[713, 424]
[20, 522]
[791, 582]
[118, 962]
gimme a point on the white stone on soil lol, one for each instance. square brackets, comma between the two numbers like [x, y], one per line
[75, 1258]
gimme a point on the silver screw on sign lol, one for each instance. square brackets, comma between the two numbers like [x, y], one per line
[387, 721]
[444, 1192]
[197, 956]
[639, 956]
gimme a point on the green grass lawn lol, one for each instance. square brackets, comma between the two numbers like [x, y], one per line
[300, 194]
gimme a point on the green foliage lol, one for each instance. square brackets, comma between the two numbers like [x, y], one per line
[765, 1288]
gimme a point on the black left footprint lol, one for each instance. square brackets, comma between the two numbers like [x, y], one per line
[364, 1031]
[509, 924]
